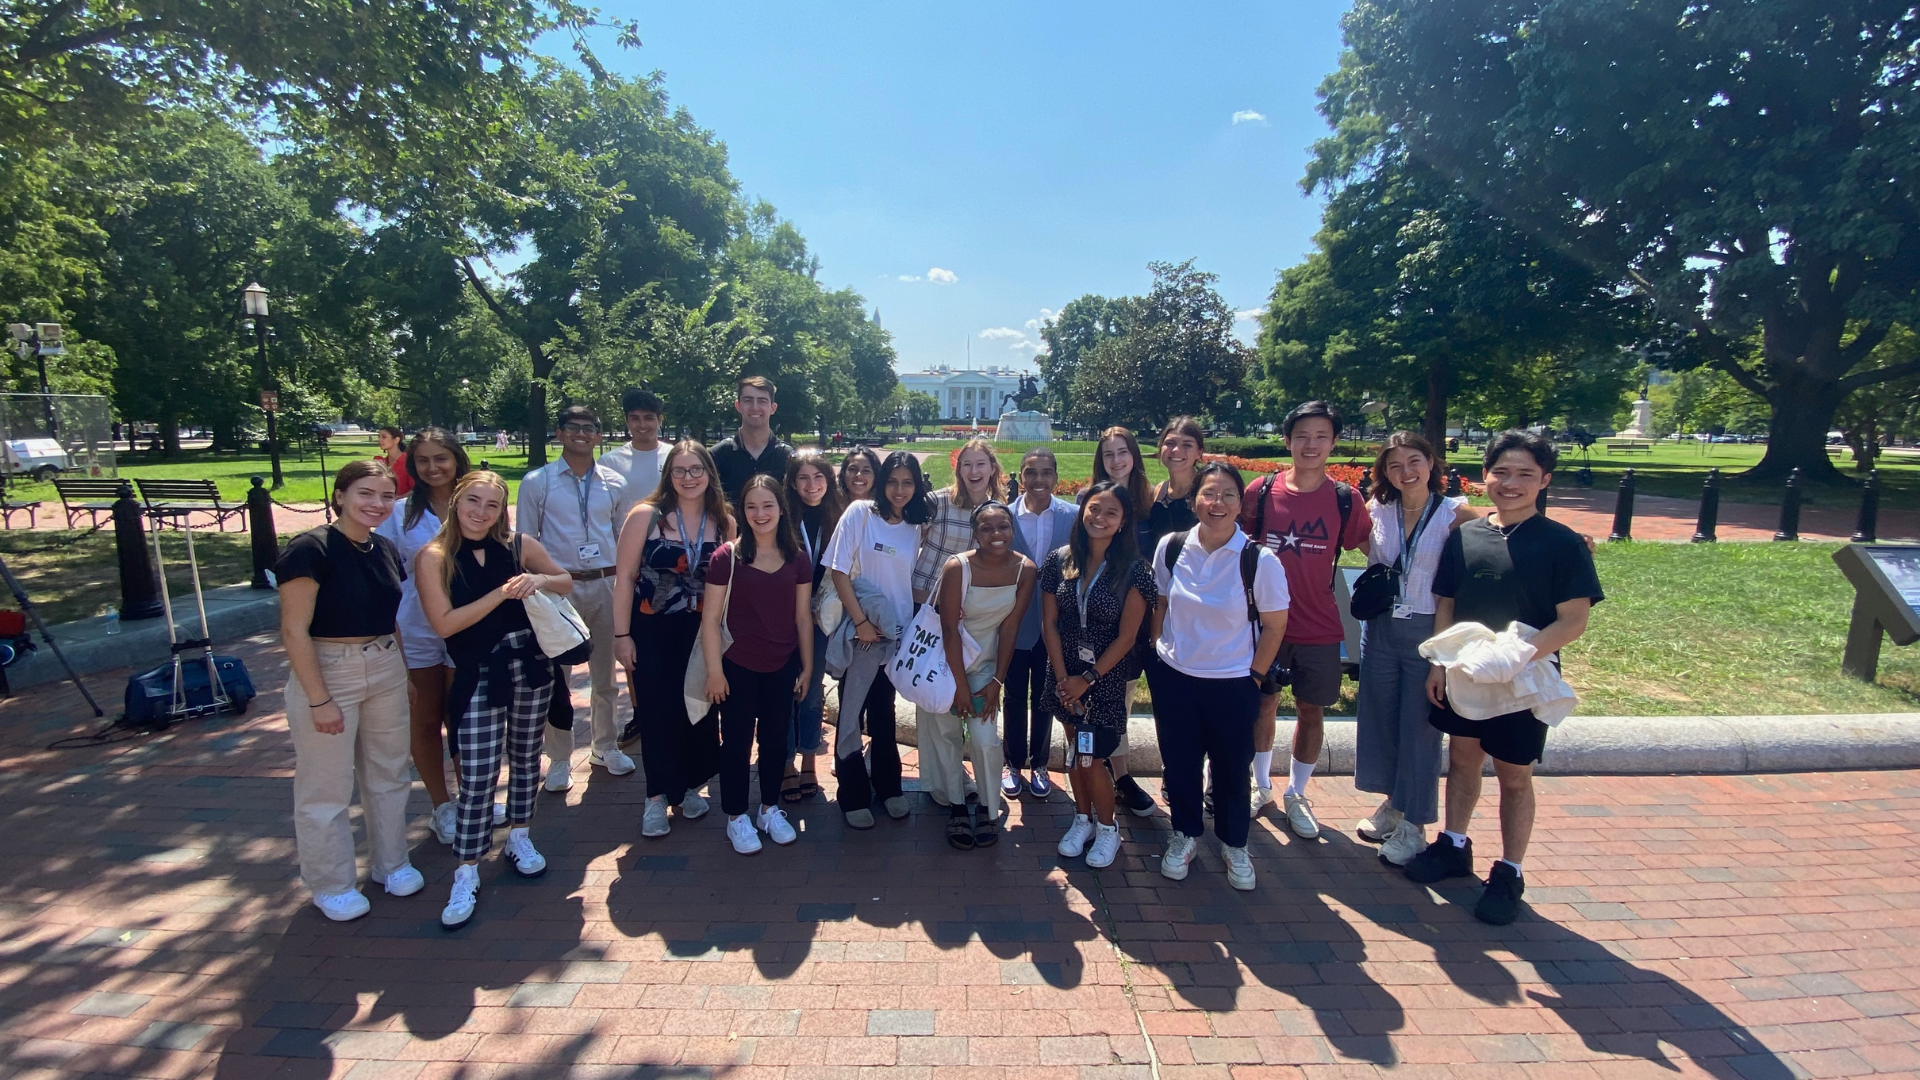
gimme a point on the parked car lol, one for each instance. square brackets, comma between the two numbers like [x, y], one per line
[43, 459]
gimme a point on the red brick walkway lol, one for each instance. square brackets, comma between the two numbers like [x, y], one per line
[151, 925]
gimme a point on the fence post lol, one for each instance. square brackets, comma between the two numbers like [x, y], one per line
[1453, 482]
[1790, 509]
[1704, 531]
[266, 545]
[1623, 509]
[139, 588]
[1868, 527]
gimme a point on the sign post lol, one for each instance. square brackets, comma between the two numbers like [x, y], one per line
[1886, 600]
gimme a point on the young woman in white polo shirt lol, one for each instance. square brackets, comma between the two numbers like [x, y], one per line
[1213, 658]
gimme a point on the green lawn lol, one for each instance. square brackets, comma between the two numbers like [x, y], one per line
[71, 575]
[1678, 470]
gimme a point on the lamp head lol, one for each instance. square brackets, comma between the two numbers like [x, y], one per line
[254, 297]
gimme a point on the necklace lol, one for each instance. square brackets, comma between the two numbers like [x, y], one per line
[364, 549]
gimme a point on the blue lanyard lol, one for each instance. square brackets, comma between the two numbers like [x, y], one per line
[1086, 590]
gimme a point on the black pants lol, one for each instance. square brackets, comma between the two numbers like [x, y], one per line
[857, 788]
[1028, 730]
[560, 705]
[1202, 720]
[677, 755]
[754, 698]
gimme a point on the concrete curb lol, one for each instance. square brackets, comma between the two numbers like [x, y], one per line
[233, 612]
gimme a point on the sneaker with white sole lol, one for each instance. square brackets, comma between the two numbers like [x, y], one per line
[1106, 846]
[559, 775]
[464, 897]
[1180, 851]
[746, 838]
[1407, 841]
[653, 820]
[445, 822]
[526, 861]
[1011, 783]
[773, 821]
[402, 882]
[693, 806]
[1258, 800]
[1138, 802]
[1074, 844]
[615, 762]
[1239, 867]
[1300, 816]
[1377, 828]
[343, 907]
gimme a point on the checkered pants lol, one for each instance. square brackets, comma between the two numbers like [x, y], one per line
[483, 735]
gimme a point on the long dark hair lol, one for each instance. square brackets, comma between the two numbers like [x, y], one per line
[664, 496]
[747, 546]
[1122, 550]
[920, 507]
[1137, 488]
[419, 499]
[873, 460]
[832, 504]
[1383, 489]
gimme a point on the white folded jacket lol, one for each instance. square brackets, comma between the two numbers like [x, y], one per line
[1491, 674]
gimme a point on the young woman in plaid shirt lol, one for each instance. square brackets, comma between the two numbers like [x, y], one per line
[977, 477]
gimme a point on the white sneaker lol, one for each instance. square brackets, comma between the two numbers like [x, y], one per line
[499, 814]
[445, 822]
[778, 829]
[1376, 829]
[1239, 867]
[615, 762]
[1300, 816]
[343, 907]
[463, 899]
[1261, 797]
[1407, 841]
[694, 806]
[1179, 856]
[1074, 844]
[520, 851]
[746, 838]
[1106, 845]
[559, 775]
[653, 820]
[402, 882]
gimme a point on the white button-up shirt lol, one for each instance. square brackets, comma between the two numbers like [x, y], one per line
[1037, 529]
[572, 515]
[641, 468]
[1206, 633]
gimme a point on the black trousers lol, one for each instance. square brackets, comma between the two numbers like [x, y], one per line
[858, 787]
[676, 755]
[1199, 721]
[754, 698]
[1028, 729]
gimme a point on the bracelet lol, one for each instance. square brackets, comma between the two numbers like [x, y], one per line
[329, 701]
[995, 679]
[622, 635]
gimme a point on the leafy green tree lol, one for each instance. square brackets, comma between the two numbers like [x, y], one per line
[1070, 335]
[1744, 166]
[1177, 354]
[922, 409]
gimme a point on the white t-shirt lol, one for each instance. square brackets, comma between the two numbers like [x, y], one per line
[884, 551]
[411, 618]
[641, 469]
[1206, 633]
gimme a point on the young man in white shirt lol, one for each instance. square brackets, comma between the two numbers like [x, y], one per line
[568, 505]
[640, 462]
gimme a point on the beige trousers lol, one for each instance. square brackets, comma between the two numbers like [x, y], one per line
[944, 742]
[594, 601]
[369, 683]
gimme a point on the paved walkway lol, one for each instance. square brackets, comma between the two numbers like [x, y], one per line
[151, 925]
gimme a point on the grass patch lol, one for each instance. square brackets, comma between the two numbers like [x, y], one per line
[69, 580]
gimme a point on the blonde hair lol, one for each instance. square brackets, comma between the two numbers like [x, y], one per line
[996, 480]
[446, 543]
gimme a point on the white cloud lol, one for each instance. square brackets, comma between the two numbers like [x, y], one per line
[1250, 313]
[1046, 316]
[1248, 116]
[911, 277]
[1002, 332]
[942, 277]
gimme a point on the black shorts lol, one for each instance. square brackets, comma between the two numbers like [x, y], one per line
[1517, 738]
[1316, 672]
[1105, 742]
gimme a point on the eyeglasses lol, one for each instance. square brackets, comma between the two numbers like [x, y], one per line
[580, 429]
[689, 472]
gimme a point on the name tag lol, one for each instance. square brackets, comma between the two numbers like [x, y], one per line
[1085, 741]
[589, 553]
[1403, 611]
[1086, 655]
[884, 549]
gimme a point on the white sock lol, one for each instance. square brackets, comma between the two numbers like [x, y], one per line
[1515, 865]
[517, 830]
[1459, 838]
[1263, 768]
[1301, 772]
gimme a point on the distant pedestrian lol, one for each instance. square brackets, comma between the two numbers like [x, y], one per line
[393, 450]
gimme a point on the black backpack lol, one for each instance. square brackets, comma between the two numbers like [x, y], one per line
[1342, 496]
[1278, 677]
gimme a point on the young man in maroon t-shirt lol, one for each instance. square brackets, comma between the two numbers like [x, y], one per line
[1296, 514]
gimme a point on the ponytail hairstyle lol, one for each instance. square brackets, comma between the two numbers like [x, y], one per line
[355, 471]
[446, 543]
[1122, 551]
[747, 546]
[1137, 489]
[418, 500]
[996, 480]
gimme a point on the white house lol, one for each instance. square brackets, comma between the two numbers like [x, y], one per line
[977, 394]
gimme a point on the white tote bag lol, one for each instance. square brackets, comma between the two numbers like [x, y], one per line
[919, 669]
[828, 611]
[694, 686]
[556, 625]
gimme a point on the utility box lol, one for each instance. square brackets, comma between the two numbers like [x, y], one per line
[1886, 601]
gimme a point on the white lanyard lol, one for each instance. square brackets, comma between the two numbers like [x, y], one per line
[806, 543]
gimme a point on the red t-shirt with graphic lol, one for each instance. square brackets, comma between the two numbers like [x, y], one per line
[1300, 527]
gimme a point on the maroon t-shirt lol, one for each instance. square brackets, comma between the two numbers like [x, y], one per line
[760, 612]
[1300, 528]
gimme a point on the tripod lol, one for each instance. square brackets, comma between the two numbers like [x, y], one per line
[20, 593]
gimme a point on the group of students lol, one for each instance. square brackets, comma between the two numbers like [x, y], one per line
[409, 642]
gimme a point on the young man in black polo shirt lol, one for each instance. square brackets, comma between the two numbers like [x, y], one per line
[1513, 566]
[752, 449]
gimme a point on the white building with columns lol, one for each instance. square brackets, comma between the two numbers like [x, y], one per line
[966, 394]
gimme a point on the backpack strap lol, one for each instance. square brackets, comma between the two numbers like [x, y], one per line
[1265, 484]
[1343, 497]
[1175, 541]
[1249, 568]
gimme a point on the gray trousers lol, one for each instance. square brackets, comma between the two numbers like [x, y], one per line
[1397, 752]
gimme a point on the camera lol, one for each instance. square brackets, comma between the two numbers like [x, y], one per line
[1278, 678]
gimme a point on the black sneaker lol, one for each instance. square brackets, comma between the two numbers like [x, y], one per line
[1138, 802]
[1441, 860]
[1500, 904]
[630, 734]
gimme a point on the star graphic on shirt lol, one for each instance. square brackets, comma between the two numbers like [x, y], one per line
[1288, 539]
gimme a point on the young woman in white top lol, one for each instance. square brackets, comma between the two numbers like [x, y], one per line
[435, 460]
[1398, 752]
[1207, 685]
[977, 478]
[878, 541]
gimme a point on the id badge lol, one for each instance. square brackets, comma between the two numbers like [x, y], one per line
[589, 553]
[1403, 611]
[1086, 655]
[1084, 742]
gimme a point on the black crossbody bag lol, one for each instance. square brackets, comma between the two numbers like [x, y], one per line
[1375, 590]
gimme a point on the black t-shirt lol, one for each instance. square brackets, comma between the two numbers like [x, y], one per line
[737, 466]
[1497, 576]
[359, 589]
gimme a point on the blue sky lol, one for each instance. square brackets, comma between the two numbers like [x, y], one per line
[971, 167]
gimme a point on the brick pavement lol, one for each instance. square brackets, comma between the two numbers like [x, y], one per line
[152, 924]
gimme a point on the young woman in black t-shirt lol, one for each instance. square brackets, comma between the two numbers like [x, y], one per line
[473, 577]
[347, 698]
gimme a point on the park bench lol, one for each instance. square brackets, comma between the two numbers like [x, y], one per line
[170, 499]
[8, 506]
[1629, 446]
[91, 496]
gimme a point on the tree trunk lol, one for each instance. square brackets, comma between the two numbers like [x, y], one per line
[170, 434]
[1803, 409]
[537, 418]
[1435, 426]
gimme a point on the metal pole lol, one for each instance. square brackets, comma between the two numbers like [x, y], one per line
[1868, 527]
[1623, 509]
[139, 585]
[266, 546]
[1790, 509]
[1703, 532]
[273, 426]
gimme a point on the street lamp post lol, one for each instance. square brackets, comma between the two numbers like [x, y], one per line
[41, 340]
[473, 411]
[255, 299]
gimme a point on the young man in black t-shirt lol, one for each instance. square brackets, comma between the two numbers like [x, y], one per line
[753, 449]
[1514, 566]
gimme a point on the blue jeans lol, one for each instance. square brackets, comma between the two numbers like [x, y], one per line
[809, 713]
